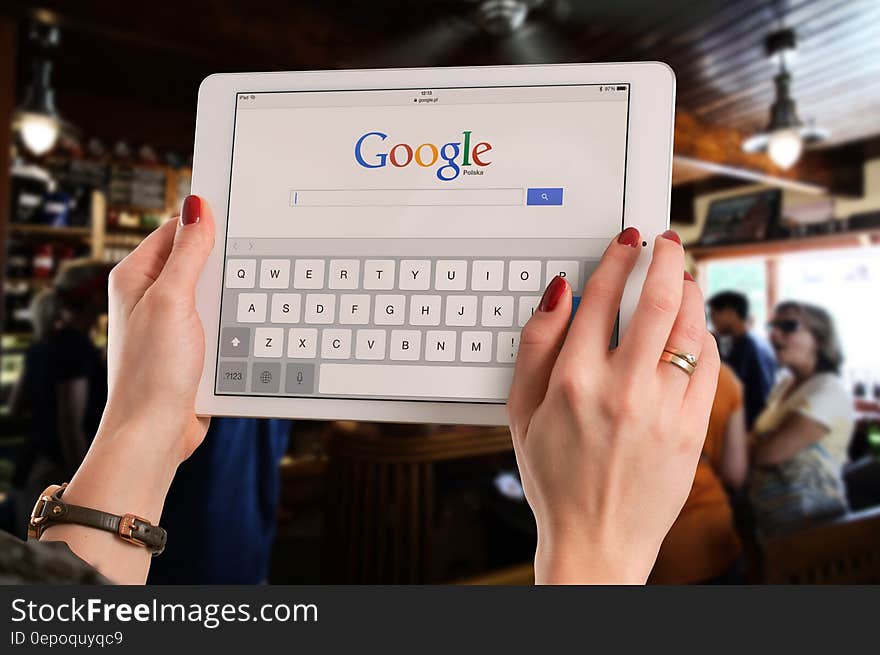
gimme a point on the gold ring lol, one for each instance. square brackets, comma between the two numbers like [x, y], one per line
[685, 361]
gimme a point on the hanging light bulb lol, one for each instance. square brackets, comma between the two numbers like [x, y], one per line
[785, 146]
[785, 136]
[36, 119]
[38, 132]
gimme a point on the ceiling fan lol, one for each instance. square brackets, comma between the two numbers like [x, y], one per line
[519, 31]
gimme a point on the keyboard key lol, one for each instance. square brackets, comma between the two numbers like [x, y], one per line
[320, 308]
[235, 342]
[285, 307]
[497, 311]
[389, 310]
[567, 269]
[379, 274]
[344, 274]
[440, 346]
[487, 276]
[461, 311]
[241, 274]
[231, 376]
[527, 307]
[275, 274]
[308, 274]
[336, 344]
[451, 275]
[406, 345]
[354, 309]
[299, 378]
[266, 377]
[302, 343]
[268, 342]
[508, 345]
[524, 276]
[251, 308]
[424, 310]
[480, 382]
[370, 344]
[476, 346]
[415, 275]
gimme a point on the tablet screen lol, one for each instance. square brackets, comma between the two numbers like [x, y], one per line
[391, 244]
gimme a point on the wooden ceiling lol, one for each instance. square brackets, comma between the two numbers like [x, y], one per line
[152, 55]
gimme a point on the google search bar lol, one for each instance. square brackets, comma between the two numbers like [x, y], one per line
[405, 197]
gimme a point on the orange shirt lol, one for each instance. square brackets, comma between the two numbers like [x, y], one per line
[703, 542]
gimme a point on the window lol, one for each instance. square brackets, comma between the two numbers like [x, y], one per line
[844, 282]
[748, 276]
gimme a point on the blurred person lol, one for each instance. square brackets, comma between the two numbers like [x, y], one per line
[703, 545]
[800, 439]
[606, 441]
[63, 385]
[237, 469]
[748, 356]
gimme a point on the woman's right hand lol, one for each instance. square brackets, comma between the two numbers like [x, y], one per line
[607, 442]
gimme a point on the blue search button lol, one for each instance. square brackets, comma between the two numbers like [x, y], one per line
[551, 196]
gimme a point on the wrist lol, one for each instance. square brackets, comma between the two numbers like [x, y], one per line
[126, 470]
[567, 556]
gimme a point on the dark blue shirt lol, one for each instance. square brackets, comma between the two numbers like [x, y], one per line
[755, 366]
[220, 513]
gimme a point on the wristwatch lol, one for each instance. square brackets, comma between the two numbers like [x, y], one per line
[51, 510]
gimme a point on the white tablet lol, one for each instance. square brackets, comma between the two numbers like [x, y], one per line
[384, 235]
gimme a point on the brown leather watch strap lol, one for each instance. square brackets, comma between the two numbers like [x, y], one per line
[51, 510]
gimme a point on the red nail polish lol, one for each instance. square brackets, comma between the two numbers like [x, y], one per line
[191, 210]
[552, 294]
[689, 277]
[630, 237]
[672, 235]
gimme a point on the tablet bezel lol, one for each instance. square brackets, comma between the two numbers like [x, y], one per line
[646, 203]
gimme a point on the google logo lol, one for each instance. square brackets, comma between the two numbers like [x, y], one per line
[400, 155]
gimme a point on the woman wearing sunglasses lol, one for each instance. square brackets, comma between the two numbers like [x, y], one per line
[800, 438]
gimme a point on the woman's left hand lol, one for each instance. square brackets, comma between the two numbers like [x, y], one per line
[156, 343]
[155, 356]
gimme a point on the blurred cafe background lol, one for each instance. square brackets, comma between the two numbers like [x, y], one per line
[776, 194]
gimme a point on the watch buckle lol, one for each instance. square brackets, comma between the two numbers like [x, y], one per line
[127, 527]
[35, 525]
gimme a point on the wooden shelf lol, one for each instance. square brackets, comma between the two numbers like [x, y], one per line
[859, 239]
[36, 281]
[130, 231]
[18, 335]
[44, 231]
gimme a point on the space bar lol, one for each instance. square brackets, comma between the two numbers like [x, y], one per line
[415, 381]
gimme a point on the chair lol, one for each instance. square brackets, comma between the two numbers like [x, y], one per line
[843, 551]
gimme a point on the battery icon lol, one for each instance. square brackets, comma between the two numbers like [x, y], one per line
[622, 87]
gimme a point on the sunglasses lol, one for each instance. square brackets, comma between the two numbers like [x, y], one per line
[786, 325]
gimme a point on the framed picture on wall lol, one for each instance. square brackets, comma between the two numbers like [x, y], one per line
[740, 219]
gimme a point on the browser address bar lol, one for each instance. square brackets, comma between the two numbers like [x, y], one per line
[406, 197]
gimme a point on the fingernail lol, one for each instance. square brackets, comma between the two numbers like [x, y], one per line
[689, 277]
[629, 237]
[552, 294]
[191, 210]
[672, 235]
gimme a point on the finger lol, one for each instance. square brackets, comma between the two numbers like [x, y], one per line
[193, 241]
[131, 277]
[687, 335]
[658, 305]
[700, 393]
[590, 332]
[539, 344]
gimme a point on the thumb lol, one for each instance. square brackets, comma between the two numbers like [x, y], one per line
[539, 344]
[193, 241]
